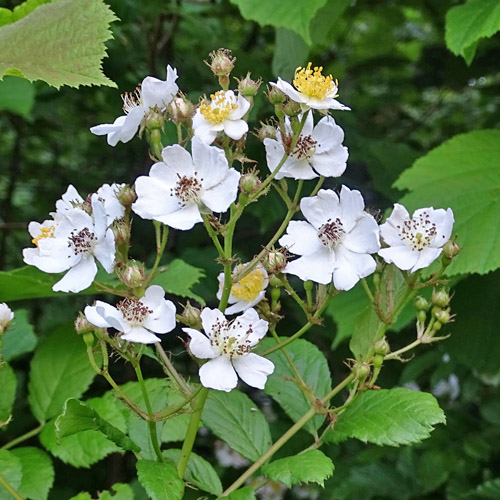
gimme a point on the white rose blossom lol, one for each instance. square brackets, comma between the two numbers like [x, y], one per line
[138, 320]
[416, 242]
[6, 316]
[227, 345]
[311, 89]
[248, 291]
[150, 94]
[224, 112]
[318, 151]
[72, 242]
[182, 187]
[335, 242]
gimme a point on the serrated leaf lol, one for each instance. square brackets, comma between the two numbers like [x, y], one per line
[38, 473]
[17, 95]
[290, 14]
[312, 466]
[61, 43]
[469, 22]
[8, 383]
[78, 417]
[120, 492]
[19, 338]
[290, 51]
[246, 493]
[179, 278]
[235, 418]
[175, 428]
[462, 174]
[60, 369]
[11, 470]
[198, 471]
[312, 366]
[8, 16]
[79, 450]
[160, 481]
[365, 331]
[389, 417]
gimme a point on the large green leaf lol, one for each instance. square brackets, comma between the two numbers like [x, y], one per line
[61, 43]
[389, 417]
[235, 418]
[364, 333]
[312, 466]
[462, 174]
[198, 471]
[468, 23]
[60, 369]
[17, 95]
[8, 16]
[160, 481]
[38, 473]
[312, 366]
[19, 338]
[290, 14]
[290, 51]
[8, 384]
[246, 493]
[11, 470]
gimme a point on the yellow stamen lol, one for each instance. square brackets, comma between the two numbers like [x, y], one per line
[45, 232]
[249, 287]
[312, 83]
[218, 109]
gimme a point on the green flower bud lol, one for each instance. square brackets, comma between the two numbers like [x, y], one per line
[421, 316]
[440, 298]
[154, 119]
[191, 316]
[133, 275]
[88, 338]
[248, 87]
[378, 361]
[126, 196]
[292, 109]
[82, 325]
[181, 110]
[421, 303]
[361, 370]
[221, 62]
[275, 280]
[451, 249]
[443, 316]
[249, 183]
[266, 131]
[275, 262]
[275, 96]
[381, 347]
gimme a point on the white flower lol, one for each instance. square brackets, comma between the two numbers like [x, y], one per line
[6, 316]
[248, 291]
[336, 241]
[312, 89]
[318, 151]
[182, 187]
[227, 344]
[223, 112]
[73, 241]
[417, 242]
[137, 319]
[151, 93]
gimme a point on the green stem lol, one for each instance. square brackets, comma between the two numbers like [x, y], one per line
[293, 293]
[24, 437]
[367, 289]
[213, 235]
[9, 488]
[396, 354]
[161, 243]
[192, 430]
[168, 412]
[290, 361]
[172, 372]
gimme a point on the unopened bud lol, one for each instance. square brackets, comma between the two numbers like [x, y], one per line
[440, 298]
[82, 325]
[181, 110]
[275, 95]
[361, 370]
[133, 275]
[275, 262]
[154, 119]
[378, 361]
[266, 131]
[443, 316]
[126, 196]
[421, 303]
[249, 183]
[121, 230]
[191, 316]
[248, 87]
[88, 338]
[6, 316]
[421, 316]
[437, 325]
[275, 280]
[451, 249]
[381, 347]
[221, 62]
[292, 108]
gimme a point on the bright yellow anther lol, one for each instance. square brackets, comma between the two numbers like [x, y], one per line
[219, 108]
[312, 82]
[248, 288]
[45, 232]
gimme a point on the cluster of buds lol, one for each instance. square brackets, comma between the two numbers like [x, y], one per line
[440, 315]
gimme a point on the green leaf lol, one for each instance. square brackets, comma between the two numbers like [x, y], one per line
[175, 428]
[312, 466]
[365, 331]
[290, 51]
[389, 417]
[11, 470]
[8, 383]
[246, 493]
[235, 418]
[290, 14]
[323, 25]
[198, 472]
[77, 417]
[38, 473]
[79, 450]
[160, 481]
[469, 22]
[61, 43]
[462, 174]
[19, 338]
[179, 278]
[489, 489]
[82, 496]
[312, 366]
[17, 95]
[11, 16]
[120, 492]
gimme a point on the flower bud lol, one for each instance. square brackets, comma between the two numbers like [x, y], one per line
[154, 119]
[121, 230]
[126, 196]
[421, 316]
[275, 262]
[249, 183]
[88, 338]
[421, 303]
[451, 249]
[443, 316]
[6, 316]
[191, 316]
[82, 325]
[274, 280]
[248, 87]
[275, 95]
[133, 275]
[292, 108]
[266, 131]
[381, 347]
[440, 298]
[378, 361]
[361, 370]
[181, 110]
[221, 62]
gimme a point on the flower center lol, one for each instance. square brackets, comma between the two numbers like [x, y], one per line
[305, 148]
[312, 83]
[131, 100]
[418, 233]
[331, 233]
[249, 287]
[227, 343]
[83, 241]
[45, 232]
[134, 311]
[188, 189]
[219, 108]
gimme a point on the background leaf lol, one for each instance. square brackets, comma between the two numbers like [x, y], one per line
[17, 95]
[8, 383]
[11, 470]
[19, 338]
[245, 493]
[160, 481]
[290, 52]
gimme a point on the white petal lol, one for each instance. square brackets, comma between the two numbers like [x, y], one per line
[249, 321]
[426, 257]
[154, 198]
[92, 313]
[288, 90]
[243, 305]
[274, 153]
[157, 92]
[79, 277]
[178, 159]
[112, 316]
[211, 319]
[123, 128]
[140, 335]
[104, 251]
[298, 170]
[402, 256]
[235, 129]
[444, 226]
[317, 267]
[301, 238]
[389, 231]
[184, 218]
[331, 163]
[114, 209]
[352, 206]
[220, 197]
[209, 162]
[253, 369]
[351, 267]
[318, 209]
[68, 199]
[327, 134]
[200, 345]
[219, 374]
[162, 319]
[241, 110]
[364, 237]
